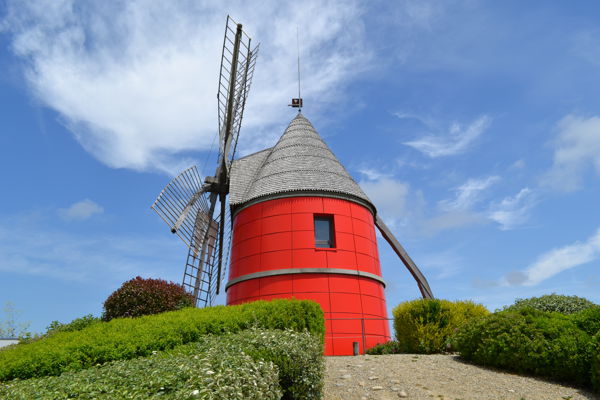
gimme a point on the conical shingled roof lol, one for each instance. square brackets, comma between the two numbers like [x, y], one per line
[300, 163]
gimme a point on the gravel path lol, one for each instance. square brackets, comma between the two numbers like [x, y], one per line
[437, 377]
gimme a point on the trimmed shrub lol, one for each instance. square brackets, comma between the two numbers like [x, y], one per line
[553, 303]
[140, 296]
[298, 357]
[126, 338]
[424, 325]
[219, 371]
[595, 361]
[76, 325]
[587, 320]
[391, 347]
[528, 341]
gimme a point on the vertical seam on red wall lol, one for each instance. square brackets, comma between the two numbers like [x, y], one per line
[360, 293]
[261, 219]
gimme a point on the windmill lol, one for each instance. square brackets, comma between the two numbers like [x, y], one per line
[297, 224]
[188, 205]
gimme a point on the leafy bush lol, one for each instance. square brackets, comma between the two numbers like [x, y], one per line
[527, 341]
[391, 347]
[126, 338]
[219, 371]
[76, 325]
[424, 326]
[298, 356]
[587, 320]
[595, 361]
[553, 302]
[140, 296]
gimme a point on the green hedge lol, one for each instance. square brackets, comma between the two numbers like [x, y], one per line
[126, 338]
[595, 361]
[217, 370]
[391, 347]
[298, 356]
[587, 320]
[528, 341]
[552, 303]
[424, 326]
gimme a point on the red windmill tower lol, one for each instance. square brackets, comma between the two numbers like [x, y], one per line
[300, 226]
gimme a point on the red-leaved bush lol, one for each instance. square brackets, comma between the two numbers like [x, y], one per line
[141, 296]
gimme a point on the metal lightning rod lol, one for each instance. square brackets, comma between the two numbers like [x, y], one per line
[298, 48]
[297, 103]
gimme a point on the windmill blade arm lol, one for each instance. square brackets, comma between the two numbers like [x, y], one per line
[221, 236]
[188, 208]
[406, 260]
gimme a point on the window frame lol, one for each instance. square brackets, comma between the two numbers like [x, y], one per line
[331, 242]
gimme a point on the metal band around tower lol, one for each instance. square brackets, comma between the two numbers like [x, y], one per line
[290, 271]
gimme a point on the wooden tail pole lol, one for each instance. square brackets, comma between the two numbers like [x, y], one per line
[408, 262]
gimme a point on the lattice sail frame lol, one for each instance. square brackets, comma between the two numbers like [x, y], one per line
[246, 61]
[187, 204]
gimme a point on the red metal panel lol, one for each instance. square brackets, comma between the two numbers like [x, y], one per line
[363, 245]
[276, 223]
[376, 327]
[310, 283]
[232, 294]
[248, 230]
[343, 284]
[306, 204]
[251, 213]
[321, 298]
[341, 259]
[361, 213]
[346, 302]
[250, 288]
[309, 258]
[303, 222]
[371, 288]
[281, 284]
[276, 241]
[248, 247]
[303, 239]
[344, 241]
[373, 306]
[276, 207]
[276, 260]
[342, 223]
[361, 228]
[336, 206]
[366, 263]
[246, 265]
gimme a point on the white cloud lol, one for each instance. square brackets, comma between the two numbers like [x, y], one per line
[556, 261]
[29, 247]
[389, 196]
[451, 220]
[372, 174]
[456, 141]
[468, 194]
[577, 147]
[80, 210]
[136, 81]
[513, 211]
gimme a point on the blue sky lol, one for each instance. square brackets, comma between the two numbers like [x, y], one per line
[474, 126]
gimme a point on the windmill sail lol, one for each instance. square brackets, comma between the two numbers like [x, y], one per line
[237, 69]
[179, 203]
[188, 205]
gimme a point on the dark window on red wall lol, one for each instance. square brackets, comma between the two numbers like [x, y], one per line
[324, 236]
